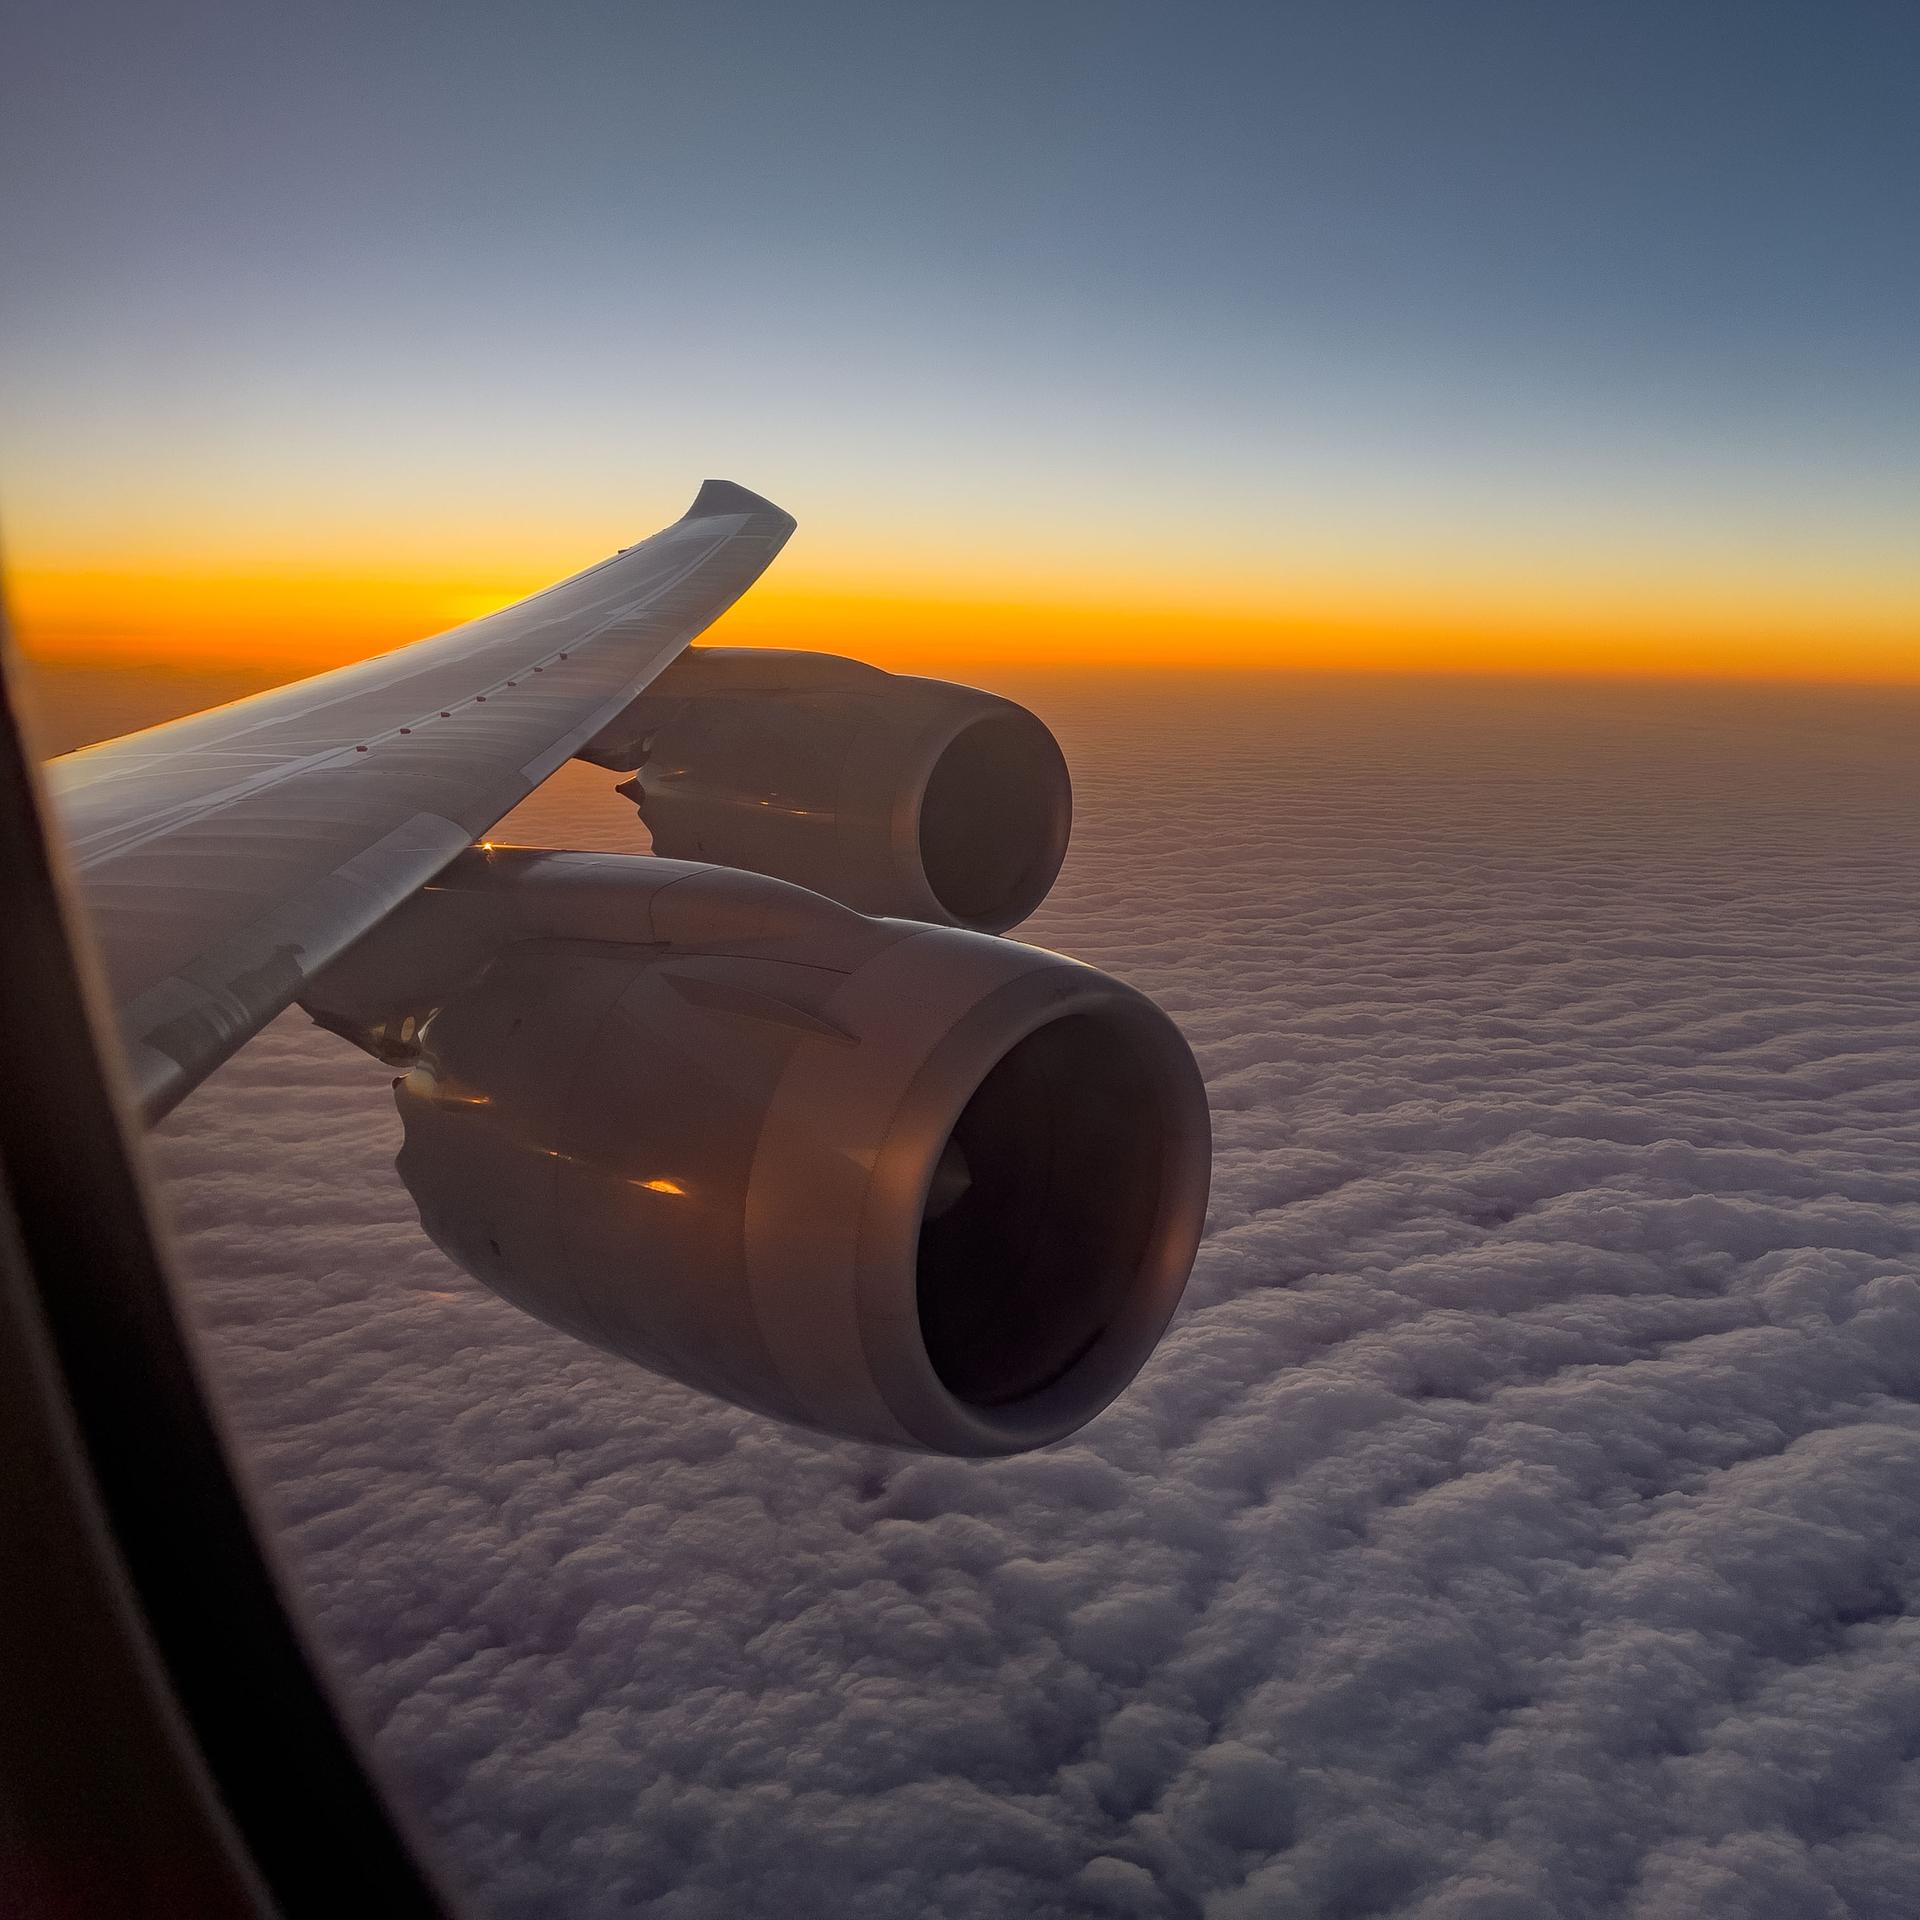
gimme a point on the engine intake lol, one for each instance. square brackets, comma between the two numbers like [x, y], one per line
[901, 1183]
[890, 794]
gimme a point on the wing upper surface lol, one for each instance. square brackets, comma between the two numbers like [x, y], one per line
[226, 857]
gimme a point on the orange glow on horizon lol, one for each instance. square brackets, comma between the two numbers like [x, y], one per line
[293, 623]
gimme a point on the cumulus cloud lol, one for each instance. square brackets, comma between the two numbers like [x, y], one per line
[1522, 1518]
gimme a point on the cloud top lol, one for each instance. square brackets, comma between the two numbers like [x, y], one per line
[1522, 1519]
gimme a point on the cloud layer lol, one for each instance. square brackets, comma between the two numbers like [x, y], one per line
[1522, 1519]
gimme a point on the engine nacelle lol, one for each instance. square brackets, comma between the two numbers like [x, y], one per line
[901, 1183]
[890, 794]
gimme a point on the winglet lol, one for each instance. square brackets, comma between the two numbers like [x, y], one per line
[723, 496]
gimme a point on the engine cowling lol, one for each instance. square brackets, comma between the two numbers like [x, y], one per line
[890, 794]
[901, 1183]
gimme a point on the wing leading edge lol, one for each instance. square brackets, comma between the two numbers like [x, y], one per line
[226, 857]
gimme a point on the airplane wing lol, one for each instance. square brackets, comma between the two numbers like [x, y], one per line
[771, 1109]
[227, 857]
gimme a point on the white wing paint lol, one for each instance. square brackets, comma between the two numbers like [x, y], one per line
[227, 857]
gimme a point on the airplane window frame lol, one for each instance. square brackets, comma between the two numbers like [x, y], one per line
[171, 1745]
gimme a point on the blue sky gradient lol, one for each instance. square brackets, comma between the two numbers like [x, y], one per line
[1202, 301]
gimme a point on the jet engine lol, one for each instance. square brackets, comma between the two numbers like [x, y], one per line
[890, 794]
[902, 1183]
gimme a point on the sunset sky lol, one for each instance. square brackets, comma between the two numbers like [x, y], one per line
[1328, 335]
